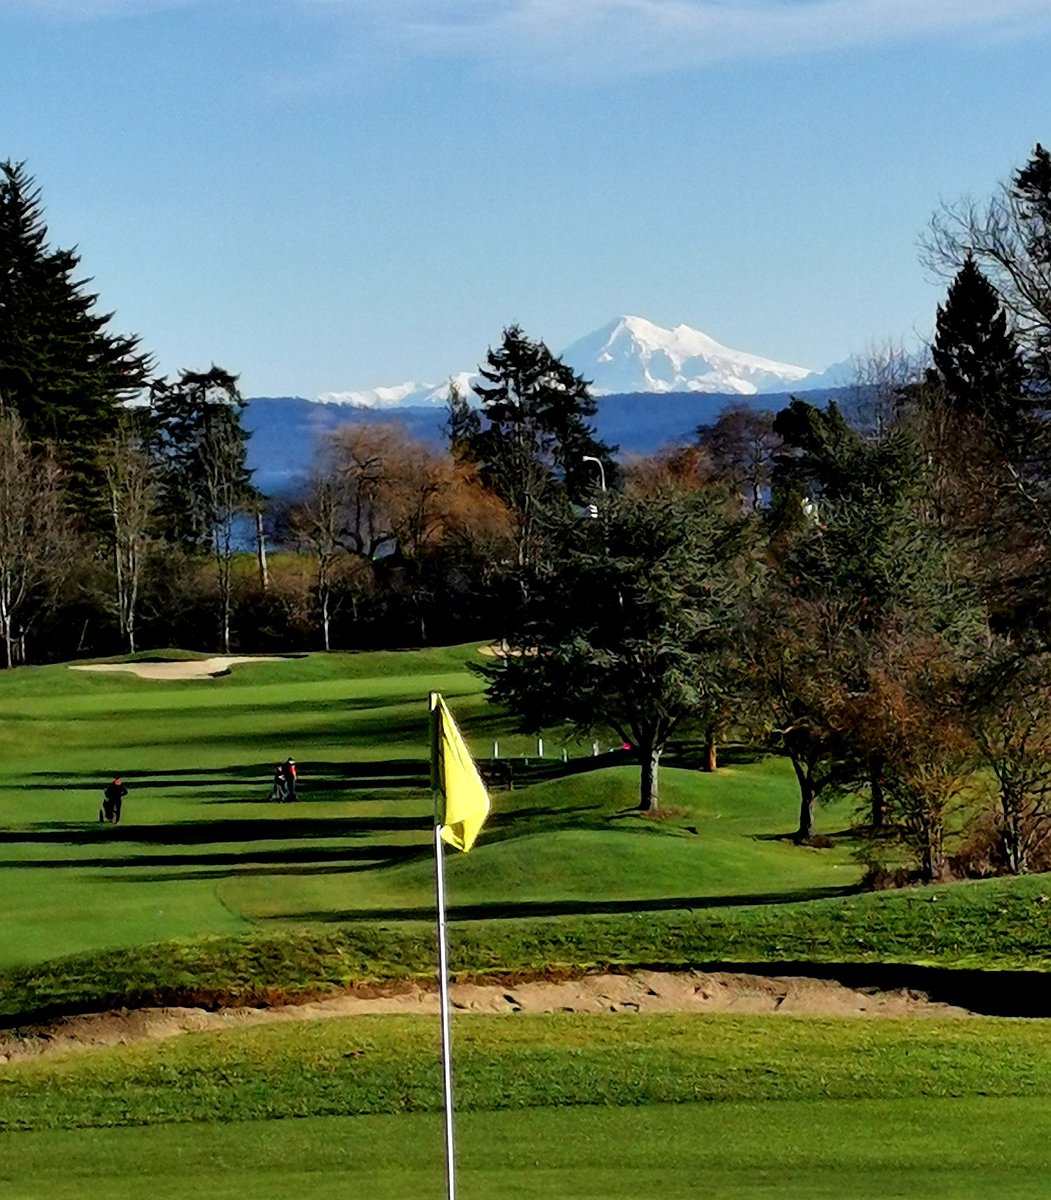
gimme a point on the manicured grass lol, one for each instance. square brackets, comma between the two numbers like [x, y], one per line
[209, 894]
[956, 1149]
[202, 852]
[266, 901]
[354, 1066]
[574, 1107]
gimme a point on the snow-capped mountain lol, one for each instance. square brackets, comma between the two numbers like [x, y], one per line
[632, 354]
[629, 355]
[403, 395]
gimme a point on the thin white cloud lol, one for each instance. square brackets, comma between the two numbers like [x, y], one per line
[586, 36]
[649, 32]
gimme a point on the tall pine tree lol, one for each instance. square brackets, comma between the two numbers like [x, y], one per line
[60, 369]
[535, 436]
[977, 359]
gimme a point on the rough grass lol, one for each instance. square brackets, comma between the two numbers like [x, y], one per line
[993, 925]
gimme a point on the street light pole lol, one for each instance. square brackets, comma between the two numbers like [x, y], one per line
[601, 468]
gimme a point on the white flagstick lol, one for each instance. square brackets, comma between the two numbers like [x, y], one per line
[443, 992]
[437, 783]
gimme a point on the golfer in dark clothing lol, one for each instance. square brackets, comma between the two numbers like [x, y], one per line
[277, 792]
[112, 798]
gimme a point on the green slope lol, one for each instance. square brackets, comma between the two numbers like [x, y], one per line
[201, 851]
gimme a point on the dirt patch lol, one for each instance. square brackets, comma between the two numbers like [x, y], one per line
[204, 668]
[632, 992]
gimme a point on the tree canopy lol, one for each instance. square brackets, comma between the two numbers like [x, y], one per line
[61, 369]
[532, 442]
[632, 621]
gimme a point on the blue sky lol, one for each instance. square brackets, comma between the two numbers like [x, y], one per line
[334, 194]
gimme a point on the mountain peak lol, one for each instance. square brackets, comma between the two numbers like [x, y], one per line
[633, 354]
[628, 354]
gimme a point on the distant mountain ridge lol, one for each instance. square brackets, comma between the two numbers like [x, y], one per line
[628, 356]
[285, 429]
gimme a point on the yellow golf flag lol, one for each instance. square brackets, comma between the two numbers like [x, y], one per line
[455, 777]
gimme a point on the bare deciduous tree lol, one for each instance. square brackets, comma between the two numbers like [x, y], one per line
[373, 495]
[741, 444]
[35, 534]
[1013, 735]
[132, 496]
[225, 499]
[1009, 237]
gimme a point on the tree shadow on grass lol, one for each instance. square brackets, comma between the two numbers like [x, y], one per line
[254, 869]
[567, 908]
[377, 766]
[199, 833]
[324, 776]
[373, 853]
[315, 775]
[815, 842]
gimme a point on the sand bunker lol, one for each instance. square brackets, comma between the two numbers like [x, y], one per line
[204, 668]
[633, 992]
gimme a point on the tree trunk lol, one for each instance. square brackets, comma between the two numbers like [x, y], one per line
[806, 803]
[649, 790]
[133, 601]
[6, 628]
[118, 569]
[1012, 837]
[260, 544]
[711, 750]
[878, 800]
[324, 618]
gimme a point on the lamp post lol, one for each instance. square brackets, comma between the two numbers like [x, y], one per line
[601, 468]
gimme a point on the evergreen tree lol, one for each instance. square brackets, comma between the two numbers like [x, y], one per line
[462, 423]
[60, 369]
[205, 484]
[200, 448]
[976, 357]
[531, 447]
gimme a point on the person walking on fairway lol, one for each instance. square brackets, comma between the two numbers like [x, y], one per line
[112, 799]
[278, 791]
[291, 778]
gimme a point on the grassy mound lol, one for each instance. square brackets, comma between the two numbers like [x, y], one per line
[999, 925]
